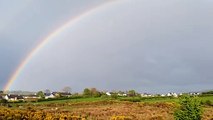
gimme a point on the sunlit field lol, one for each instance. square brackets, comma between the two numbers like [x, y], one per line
[101, 109]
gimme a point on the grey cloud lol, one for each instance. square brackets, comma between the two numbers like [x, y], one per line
[151, 46]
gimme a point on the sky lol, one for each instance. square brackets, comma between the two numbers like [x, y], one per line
[153, 46]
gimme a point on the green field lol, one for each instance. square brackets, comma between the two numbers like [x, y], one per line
[131, 99]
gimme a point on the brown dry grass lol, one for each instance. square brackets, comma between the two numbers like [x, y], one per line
[111, 110]
[108, 109]
[208, 113]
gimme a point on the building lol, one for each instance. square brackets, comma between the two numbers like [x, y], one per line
[31, 97]
[62, 94]
[146, 95]
[10, 97]
[108, 93]
[49, 95]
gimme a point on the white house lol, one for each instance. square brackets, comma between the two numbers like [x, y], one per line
[194, 93]
[13, 97]
[31, 97]
[146, 95]
[49, 95]
[63, 94]
[108, 93]
[175, 95]
[172, 94]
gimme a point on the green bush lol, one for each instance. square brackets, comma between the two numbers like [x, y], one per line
[132, 99]
[190, 109]
[114, 96]
[104, 96]
[207, 102]
[3, 101]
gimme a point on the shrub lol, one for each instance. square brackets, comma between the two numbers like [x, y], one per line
[120, 118]
[3, 101]
[207, 102]
[104, 96]
[208, 92]
[114, 96]
[132, 99]
[190, 109]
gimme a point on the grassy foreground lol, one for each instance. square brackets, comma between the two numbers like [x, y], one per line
[100, 109]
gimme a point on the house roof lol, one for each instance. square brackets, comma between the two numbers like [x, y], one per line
[15, 96]
[61, 93]
[47, 94]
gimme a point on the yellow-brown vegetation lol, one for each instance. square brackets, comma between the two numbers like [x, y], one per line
[100, 110]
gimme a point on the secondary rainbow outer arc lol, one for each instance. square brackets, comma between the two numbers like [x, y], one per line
[43, 42]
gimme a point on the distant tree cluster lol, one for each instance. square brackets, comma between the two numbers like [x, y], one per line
[93, 92]
[40, 94]
[208, 92]
[131, 93]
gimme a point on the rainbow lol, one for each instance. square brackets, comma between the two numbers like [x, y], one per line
[47, 39]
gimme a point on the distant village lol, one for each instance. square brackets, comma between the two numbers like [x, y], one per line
[32, 97]
[35, 96]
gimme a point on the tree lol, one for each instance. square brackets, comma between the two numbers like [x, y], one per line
[66, 89]
[131, 93]
[207, 92]
[40, 94]
[190, 109]
[93, 92]
[87, 92]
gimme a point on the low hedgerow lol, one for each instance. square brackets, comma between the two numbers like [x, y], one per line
[132, 99]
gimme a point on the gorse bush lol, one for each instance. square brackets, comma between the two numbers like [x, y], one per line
[190, 109]
[120, 118]
[32, 114]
